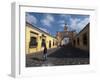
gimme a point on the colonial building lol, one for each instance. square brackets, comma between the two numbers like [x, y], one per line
[36, 39]
[64, 37]
[81, 40]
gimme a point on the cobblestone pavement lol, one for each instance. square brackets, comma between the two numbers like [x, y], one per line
[66, 55]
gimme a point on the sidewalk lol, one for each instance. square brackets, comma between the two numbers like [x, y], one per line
[40, 54]
[36, 59]
[58, 62]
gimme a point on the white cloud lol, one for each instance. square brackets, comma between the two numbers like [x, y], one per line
[62, 25]
[61, 22]
[47, 21]
[64, 20]
[50, 18]
[65, 16]
[44, 29]
[83, 23]
[31, 19]
[78, 24]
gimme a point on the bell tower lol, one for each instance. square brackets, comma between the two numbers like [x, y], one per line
[65, 27]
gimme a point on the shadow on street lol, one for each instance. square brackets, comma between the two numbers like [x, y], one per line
[69, 52]
[66, 55]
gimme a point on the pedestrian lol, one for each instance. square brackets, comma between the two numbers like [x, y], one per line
[45, 52]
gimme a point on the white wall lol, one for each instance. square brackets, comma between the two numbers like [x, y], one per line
[65, 41]
[5, 40]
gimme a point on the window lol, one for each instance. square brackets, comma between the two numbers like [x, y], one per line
[78, 41]
[74, 42]
[49, 44]
[85, 39]
[43, 43]
[65, 41]
[33, 42]
[53, 43]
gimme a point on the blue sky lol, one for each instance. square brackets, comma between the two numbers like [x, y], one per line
[51, 23]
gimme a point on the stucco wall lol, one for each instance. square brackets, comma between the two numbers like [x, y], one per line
[80, 36]
[39, 40]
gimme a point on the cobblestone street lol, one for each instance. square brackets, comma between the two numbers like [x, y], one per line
[66, 55]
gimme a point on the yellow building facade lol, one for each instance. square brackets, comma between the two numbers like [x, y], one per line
[35, 39]
[81, 40]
